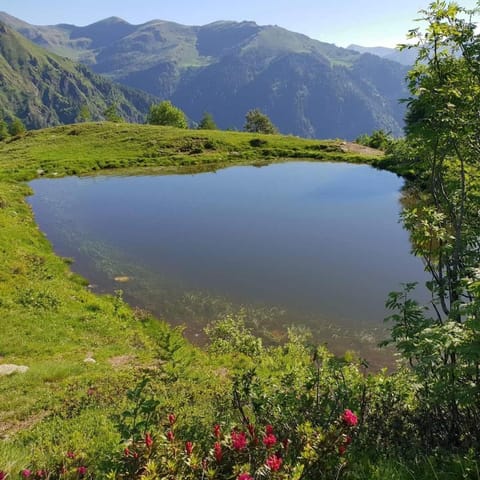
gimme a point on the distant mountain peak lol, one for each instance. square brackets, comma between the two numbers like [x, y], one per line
[109, 21]
[405, 57]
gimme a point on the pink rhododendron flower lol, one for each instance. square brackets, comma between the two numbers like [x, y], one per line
[148, 440]
[244, 476]
[269, 440]
[217, 447]
[188, 448]
[274, 463]
[349, 418]
[239, 440]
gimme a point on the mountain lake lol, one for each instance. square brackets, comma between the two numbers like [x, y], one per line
[316, 245]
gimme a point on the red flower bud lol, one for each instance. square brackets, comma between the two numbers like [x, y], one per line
[26, 473]
[216, 431]
[188, 448]
[218, 451]
[82, 471]
[342, 449]
[126, 452]
[269, 430]
[172, 419]
[170, 436]
[148, 440]
[70, 455]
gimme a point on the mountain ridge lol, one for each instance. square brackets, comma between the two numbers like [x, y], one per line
[227, 68]
[405, 57]
[44, 89]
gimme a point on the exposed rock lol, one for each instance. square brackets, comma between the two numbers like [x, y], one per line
[122, 279]
[9, 369]
[89, 358]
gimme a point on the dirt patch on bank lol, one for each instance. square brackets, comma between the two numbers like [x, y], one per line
[350, 147]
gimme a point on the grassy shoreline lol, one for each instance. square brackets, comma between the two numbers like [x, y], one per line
[88, 148]
[48, 316]
[50, 321]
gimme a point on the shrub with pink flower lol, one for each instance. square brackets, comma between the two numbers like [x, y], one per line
[239, 440]
[269, 440]
[244, 476]
[349, 418]
[274, 463]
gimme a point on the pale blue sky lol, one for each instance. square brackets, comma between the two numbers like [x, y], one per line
[366, 22]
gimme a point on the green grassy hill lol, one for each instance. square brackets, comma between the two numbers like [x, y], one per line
[44, 89]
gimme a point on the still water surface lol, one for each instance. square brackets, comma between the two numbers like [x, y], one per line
[317, 244]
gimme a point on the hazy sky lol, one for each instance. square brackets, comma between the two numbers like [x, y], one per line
[365, 22]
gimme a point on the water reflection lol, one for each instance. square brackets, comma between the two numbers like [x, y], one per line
[311, 243]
